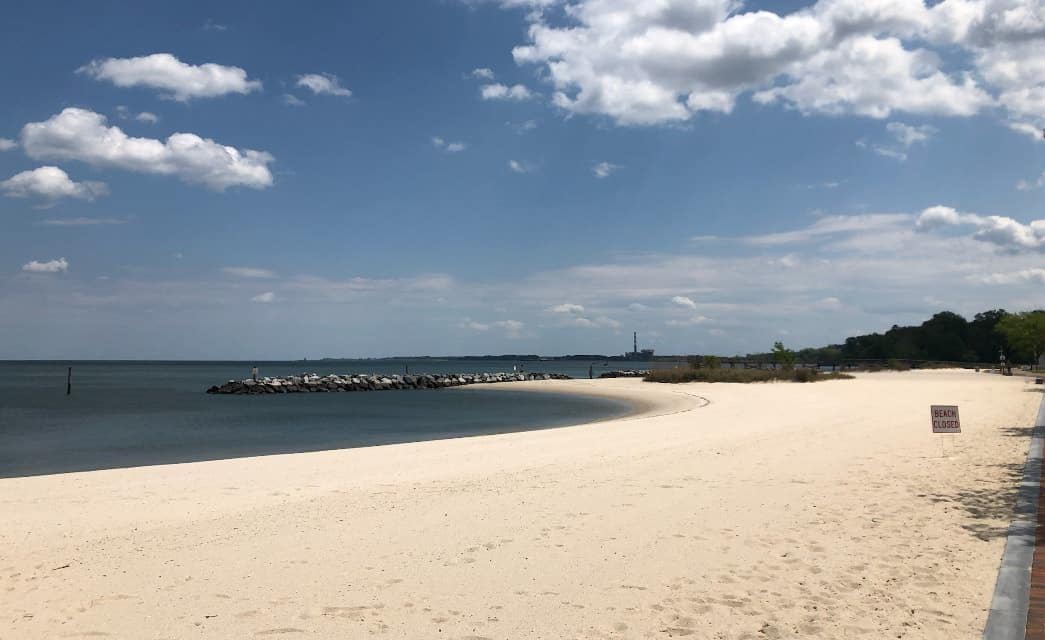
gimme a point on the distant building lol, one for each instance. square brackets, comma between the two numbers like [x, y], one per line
[644, 355]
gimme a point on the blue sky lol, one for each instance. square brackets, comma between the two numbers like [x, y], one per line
[253, 180]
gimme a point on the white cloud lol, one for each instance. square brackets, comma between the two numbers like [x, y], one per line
[1032, 131]
[637, 307]
[1036, 276]
[829, 303]
[882, 150]
[265, 298]
[567, 307]
[482, 73]
[147, 117]
[512, 328]
[323, 83]
[474, 326]
[7, 144]
[908, 135]
[61, 265]
[82, 222]
[604, 169]
[644, 63]
[449, 147]
[80, 134]
[179, 81]
[519, 167]
[689, 322]
[834, 225]
[875, 77]
[248, 272]
[292, 100]
[684, 301]
[498, 91]
[1005, 232]
[577, 318]
[51, 184]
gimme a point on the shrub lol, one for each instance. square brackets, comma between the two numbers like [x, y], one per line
[898, 365]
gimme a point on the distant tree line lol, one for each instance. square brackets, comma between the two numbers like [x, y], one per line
[946, 337]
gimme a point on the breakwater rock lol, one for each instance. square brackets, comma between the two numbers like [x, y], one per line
[311, 383]
[626, 373]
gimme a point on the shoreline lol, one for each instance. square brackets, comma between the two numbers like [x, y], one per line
[778, 510]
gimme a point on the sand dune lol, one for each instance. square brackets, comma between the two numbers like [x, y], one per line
[720, 511]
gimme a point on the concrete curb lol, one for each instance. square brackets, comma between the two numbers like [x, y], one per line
[1007, 619]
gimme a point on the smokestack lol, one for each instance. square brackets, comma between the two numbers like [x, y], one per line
[635, 339]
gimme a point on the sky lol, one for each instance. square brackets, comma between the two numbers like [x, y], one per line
[245, 180]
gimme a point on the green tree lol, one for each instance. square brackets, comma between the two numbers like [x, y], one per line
[783, 356]
[1025, 333]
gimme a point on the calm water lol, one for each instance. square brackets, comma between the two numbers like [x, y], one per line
[132, 414]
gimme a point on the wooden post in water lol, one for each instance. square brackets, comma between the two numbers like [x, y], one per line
[69, 382]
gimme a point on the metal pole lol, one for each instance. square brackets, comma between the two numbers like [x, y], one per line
[69, 382]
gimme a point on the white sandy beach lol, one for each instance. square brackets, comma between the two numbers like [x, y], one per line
[775, 511]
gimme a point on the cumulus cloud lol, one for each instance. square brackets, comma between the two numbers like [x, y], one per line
[498, 91]
[248, 272]
[323, 83]
[1002, 231]
[576, 317]
[643, 63]
[80, 134]
[567, 307]
[178, 80]
[292, 100]
[1036, 276]
[265, 298]
[684, 301]
[51, 184]
[482, 73]
[604, 169]
[7, 144]
[61, 265]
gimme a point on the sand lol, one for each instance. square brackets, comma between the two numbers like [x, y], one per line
[721, 511]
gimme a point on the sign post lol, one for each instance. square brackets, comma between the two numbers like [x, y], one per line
[944, 419]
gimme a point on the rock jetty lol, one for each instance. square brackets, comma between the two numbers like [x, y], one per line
[626, 373]
[312, 383]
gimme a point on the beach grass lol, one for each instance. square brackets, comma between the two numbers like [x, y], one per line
[743, 375]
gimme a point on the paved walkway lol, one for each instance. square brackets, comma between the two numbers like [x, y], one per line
[1018, 607]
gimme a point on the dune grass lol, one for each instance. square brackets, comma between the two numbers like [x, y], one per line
[742, 375]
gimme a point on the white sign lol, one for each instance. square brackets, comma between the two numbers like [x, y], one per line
[945, 418]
